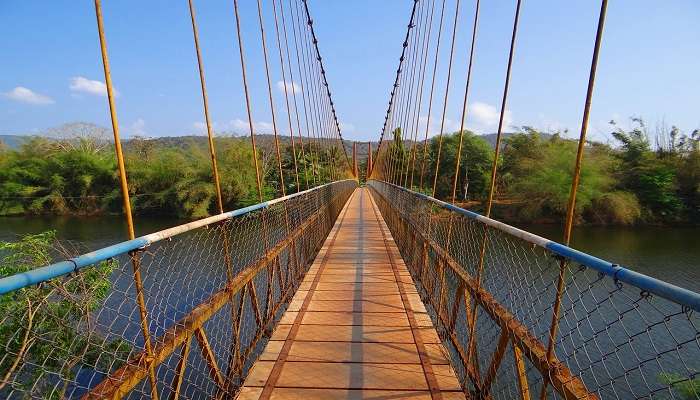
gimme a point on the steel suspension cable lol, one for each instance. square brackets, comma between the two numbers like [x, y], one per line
[212, 152]
[410, 100]
[463, 117]
[395, 110]
[393, 90]
[247, 100]
[327, 122]
[323, 120]
[504, 100]
[294, 91]
[396, 116]
[124, 185]
[323, 115]
[432, 91]
[286, 95]
[312, 93]
[404, 100]
[416, 97]
[421, 79]
[313, 100]
[472, 323]
[325, 80]
[571, 205]
[447, 91]
[263, 42]
[205, 101]
[466, 99]
[296, 25]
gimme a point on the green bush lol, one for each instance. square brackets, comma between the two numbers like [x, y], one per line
[48, 330]
[686, 388]
[618, 207]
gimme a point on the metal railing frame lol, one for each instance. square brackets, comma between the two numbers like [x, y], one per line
[426, 253]
[668, 291]
[36, 276]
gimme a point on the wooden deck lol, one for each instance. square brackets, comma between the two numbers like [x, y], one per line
[356, 329]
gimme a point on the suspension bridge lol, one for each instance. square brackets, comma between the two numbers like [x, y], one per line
[348, 284]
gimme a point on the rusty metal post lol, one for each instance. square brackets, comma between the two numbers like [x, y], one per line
[369, 161]
[205, 101]
[523, 385]
[494, 170]
[212, 152]
[354, 159]
[135, 262]
[574, 188]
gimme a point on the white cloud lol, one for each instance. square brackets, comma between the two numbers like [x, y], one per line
[487, 115]
[292, 87]
[24, 95]
[81, 84]
[137, 128]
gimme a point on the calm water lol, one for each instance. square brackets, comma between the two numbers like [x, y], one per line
[671, 254]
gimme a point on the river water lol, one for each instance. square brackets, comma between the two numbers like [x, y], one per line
[671, 254]
[668, 253]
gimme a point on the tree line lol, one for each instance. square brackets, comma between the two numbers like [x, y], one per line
[173, 177]
[644, 176]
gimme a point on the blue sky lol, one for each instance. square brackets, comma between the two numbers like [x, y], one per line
[51, 70]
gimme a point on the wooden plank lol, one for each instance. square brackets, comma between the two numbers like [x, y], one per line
[357, 328]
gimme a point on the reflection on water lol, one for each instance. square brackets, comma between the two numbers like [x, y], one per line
[91, 232]
[671, 254]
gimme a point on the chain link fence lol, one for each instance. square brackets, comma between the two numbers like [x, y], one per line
[180, 313]
[491, 290]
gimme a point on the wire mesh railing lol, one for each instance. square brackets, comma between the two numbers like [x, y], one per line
[622, 335]
[212, 291]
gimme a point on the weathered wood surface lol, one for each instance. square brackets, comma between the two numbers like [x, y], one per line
[356, 329]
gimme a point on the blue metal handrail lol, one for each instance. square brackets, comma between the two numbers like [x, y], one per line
[23, 279]
[645, 283]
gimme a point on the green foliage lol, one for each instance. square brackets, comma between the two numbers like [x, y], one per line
[474, 169]
[617, 207]
[686, 388]
[623, 185]
[49, 326]
[633, 181]
[539, 173]
[44, 177]
[398, 153]
[665, 180]
[54, 177]
[656, 186]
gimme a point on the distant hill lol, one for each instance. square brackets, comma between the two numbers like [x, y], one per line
[265, 141]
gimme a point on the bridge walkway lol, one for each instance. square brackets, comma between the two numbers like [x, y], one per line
[356, 328]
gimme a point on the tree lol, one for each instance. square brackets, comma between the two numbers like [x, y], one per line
[474, 169]
[48, 330]
[398, 156]
[543, 178]
[46, 177]
[652, 177]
